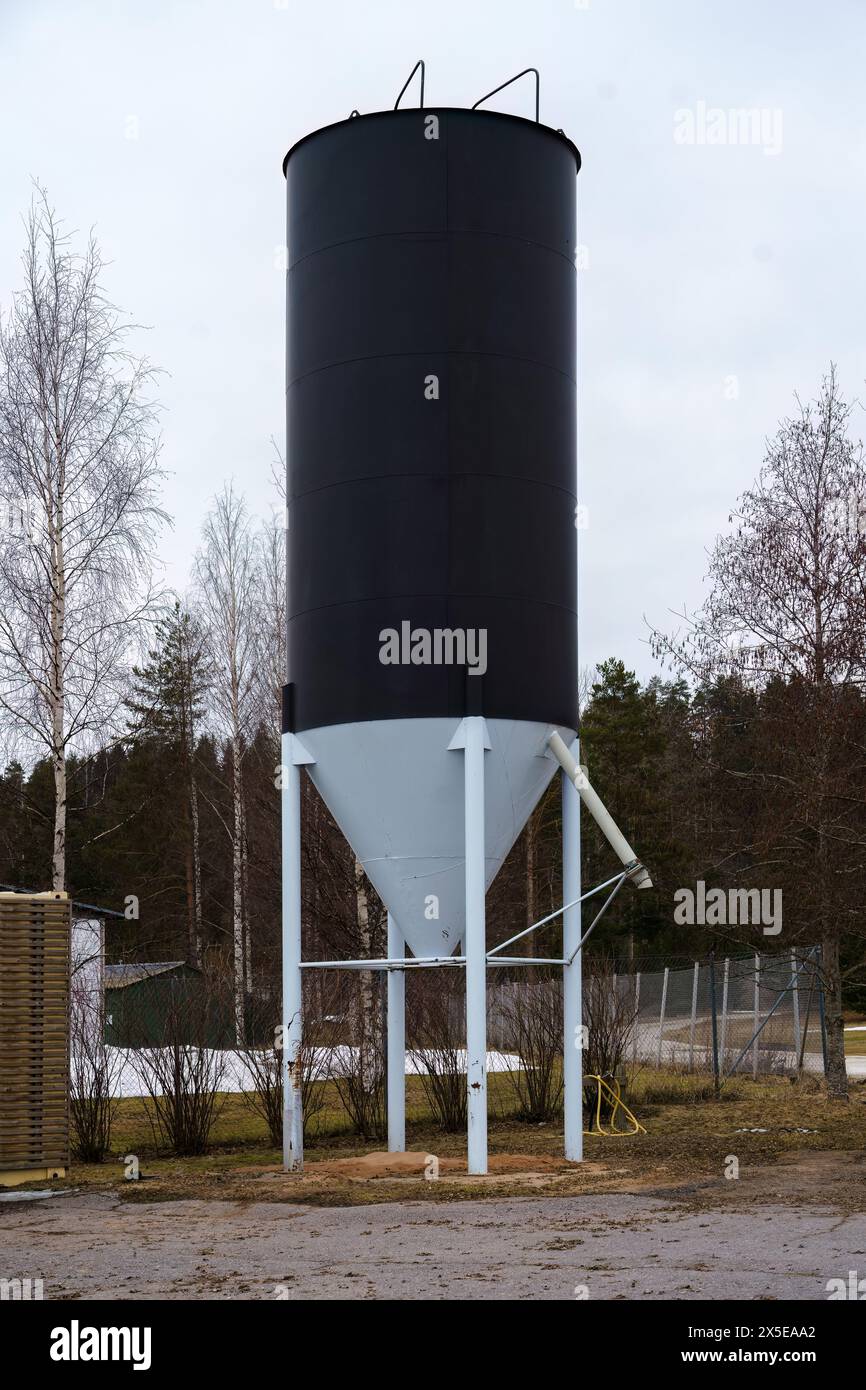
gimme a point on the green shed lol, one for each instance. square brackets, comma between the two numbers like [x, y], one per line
[149, 1004]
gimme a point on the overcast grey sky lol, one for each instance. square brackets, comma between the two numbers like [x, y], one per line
[719, 277]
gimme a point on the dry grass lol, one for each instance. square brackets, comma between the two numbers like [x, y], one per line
[855, 1043]
[689, 1138]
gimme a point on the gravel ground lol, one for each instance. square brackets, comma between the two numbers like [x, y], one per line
[613, 1246]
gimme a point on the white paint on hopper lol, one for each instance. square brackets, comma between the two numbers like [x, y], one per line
[396, 790]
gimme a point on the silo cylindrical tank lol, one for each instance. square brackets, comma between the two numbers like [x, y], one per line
[431, 424]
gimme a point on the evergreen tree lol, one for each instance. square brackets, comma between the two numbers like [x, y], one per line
[167, 709]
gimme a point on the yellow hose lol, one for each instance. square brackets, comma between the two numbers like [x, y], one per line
[618, 1104]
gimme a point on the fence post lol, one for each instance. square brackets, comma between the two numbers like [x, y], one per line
[821, 1012]
[795, 997]
[804, 1030]
[636, 1012]
[725, 978]
[714, 1023]
[757, 1011]
[662, 1014]
[694, 1016]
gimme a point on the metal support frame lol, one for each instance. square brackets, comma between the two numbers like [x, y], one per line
[396, 1027]
[551, 916]
[789, 987]
[618, 882]
[293, 1118]
[385, 963]
[473, 740]
[572, 973]
[474, 743]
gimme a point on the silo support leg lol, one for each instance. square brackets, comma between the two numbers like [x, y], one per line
[572, 999]
[476, 943]
[396, 1075]
[293, 1119]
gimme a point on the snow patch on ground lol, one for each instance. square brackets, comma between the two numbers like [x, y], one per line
[327, 1061]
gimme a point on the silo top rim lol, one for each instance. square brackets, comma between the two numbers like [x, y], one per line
[410, 112]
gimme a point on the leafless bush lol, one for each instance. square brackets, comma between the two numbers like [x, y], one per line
[531, 1012]
[264, 1061]
[265, 1068]
[436, 1033]
[94, 1074]
[358, 1072]
[609, 1015]
[182, 1076]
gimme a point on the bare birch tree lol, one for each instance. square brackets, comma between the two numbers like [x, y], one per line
[78, 479]
[192, 650]
[369, 1018]
[227, 573]
[271, 625]
[786, 602]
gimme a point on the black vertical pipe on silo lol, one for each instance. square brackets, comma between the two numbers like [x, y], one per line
[431, 414]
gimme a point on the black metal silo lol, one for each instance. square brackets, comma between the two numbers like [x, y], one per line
[432, 244]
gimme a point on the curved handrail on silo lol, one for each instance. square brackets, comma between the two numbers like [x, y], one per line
[419, 64]
[508, 84]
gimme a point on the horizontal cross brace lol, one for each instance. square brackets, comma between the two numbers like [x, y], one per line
[493, 957]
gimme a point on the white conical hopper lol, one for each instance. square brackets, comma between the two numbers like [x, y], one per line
[395, 788]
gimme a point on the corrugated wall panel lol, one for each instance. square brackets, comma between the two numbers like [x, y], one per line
[34, 1030]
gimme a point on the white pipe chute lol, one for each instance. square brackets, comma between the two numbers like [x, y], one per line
[590, 798]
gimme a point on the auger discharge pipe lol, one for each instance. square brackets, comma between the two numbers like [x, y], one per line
[638, 874]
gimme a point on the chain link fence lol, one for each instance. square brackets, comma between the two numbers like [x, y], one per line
[759, 1014]
[756, 1015]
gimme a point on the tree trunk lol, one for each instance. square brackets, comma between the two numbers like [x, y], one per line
[237, 892]
[531, 899]
[57, 696]
[366, 996]
[245, 898]
[196, 862]
[58, 858]
[192, 953]
[835, 1073]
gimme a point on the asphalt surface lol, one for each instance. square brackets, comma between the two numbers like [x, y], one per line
[596, 1247]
